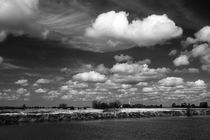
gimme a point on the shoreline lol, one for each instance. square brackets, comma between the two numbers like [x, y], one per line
[9, 117]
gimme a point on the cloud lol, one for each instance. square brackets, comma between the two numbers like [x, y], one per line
[142, 84]
[22, 91]
[175, 88]
[3, 36]
[91, 76]
[1, 60]
[41, 81]
[203, 35]
[135, 72]
[201, 47]
[198, 83]
[17, 11]
[200, 50]
[102, 69]
[181, 60]
[136, 68]
[171, 81]
[114, 26]
[145, 61]
[123, 58]
[22, 82]
[172, 53]
[40, 90]
[189, 70]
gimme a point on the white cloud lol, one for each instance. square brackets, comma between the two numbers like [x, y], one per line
[171, 81]
[123, 58]
[181, 60]
[22, 82]
[1, 60]
[127, 68]
[40, 90]
[91, 76]
[200, 50]
[205, 68]
[135, 72]
[203, 34]
[22, 91]
[189, 70]
[3, 36]
[102, 69]
[198, 83]
[114, 26]
[143, 84]
[145, 61]
[136, 68]
[172, 53]
[17, 11]
[43, 81]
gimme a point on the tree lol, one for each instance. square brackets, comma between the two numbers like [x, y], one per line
[173, 105]
[24, 106]
[96, 104]
[115, 104]
[203, 105]
[63, 106]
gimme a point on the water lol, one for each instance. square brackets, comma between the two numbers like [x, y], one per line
[193, 128]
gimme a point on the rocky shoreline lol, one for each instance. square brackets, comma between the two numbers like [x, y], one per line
[18, 116]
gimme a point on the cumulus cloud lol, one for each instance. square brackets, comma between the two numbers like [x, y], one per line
[136, 68]
[181, 60]
[175, 88]
[189, 70]
[172, 53]
[142, 84]
[22, 82]
[3, 36]
[40, 90]
[203, 35]
[122, 58]
[22, 91]
[171, 81]
[201, 48]
[198, 83]
[135, 72]
[41, 81]
[150, 31]
[91, 76]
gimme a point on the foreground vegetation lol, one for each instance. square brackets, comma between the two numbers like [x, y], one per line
[52, 115]
[99, 110]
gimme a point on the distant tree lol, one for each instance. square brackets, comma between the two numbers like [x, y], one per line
[115, 104]
[203, 105]
[161, 106]
[138, 106]
[173, 105]
[96, 104]
[104, 106]
[126, 106]
[63, 106]
[184, 105]
[193, 105]
[24, 106]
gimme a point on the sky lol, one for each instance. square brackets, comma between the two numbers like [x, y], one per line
[77, 51]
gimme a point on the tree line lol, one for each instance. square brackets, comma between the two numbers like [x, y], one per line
[188, 105]
[118, 104]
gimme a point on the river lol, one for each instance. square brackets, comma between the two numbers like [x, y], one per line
[173, 128]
